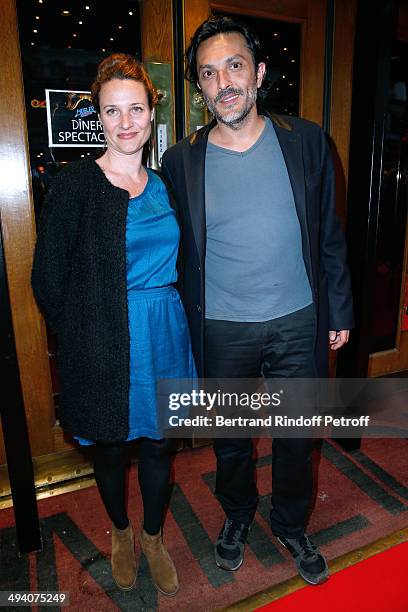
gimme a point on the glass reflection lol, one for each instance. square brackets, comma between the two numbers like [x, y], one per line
[390, 259]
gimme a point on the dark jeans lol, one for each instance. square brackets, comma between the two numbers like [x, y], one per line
[281, 347]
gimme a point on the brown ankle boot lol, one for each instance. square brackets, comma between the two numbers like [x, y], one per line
[161, 566]
[123, 559]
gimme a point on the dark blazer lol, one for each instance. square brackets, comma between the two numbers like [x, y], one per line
[308, 160]
[79, 281]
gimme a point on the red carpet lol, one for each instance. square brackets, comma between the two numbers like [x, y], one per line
[378, 584]
[361, 497]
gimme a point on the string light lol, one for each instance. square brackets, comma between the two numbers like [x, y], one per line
[284, 49]
[80, 22]
[37, 17]
[35, 31]
[283, 76]
[87, 8]
[111, 39]
[130, 13]
[65, 13]
[74, 35]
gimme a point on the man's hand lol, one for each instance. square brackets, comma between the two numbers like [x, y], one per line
[338, 338]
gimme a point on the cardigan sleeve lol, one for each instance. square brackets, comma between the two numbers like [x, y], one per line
[56, 239]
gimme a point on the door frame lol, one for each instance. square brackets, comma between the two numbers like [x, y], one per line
[396, 359]
[16, 201]
[18, 231]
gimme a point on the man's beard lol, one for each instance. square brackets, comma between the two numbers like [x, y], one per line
[233, 119]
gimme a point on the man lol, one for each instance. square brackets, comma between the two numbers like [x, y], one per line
[266, 286]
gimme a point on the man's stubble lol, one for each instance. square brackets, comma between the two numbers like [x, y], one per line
[234, 119]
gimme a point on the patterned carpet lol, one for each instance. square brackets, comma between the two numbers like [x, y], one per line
[361, 496]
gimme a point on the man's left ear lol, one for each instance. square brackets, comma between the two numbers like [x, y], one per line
[260, 73]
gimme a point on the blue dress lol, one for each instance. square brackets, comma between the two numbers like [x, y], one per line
[159, 338]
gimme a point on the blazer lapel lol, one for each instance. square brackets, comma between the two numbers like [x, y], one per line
[291, 145]
[194, 165]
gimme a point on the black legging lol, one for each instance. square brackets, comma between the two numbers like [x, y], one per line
[110, 462]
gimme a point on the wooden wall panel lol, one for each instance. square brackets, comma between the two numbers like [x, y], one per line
[288, 10]
[312, 71]
[157, 31]
[17, 224]
[342, 83]
[195, 12]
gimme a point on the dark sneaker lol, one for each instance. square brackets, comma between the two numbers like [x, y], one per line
[229, 547]
[311, 564]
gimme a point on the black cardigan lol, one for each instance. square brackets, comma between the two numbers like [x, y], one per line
[79, 281]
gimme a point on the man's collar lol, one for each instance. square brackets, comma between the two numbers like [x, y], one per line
[201, 136]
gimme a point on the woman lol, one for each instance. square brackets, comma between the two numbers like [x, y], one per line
[104, 268]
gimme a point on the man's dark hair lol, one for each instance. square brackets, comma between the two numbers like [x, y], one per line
[219, 25]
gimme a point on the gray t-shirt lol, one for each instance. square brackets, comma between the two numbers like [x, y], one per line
[254, 265]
